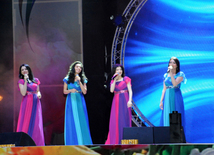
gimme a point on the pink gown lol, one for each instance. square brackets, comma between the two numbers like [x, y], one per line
[120, 114]
[30, 115]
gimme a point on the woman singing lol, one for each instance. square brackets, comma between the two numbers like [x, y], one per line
[76, 131]
[121, 105]
[30, 115]
[171, 98]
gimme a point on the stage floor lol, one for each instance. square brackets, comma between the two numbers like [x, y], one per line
[157, 149]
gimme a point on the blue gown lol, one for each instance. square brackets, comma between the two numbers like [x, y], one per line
[76, 131]
[173, 100]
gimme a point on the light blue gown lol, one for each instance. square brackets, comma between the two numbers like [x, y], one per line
[76, 131]
[173, 100]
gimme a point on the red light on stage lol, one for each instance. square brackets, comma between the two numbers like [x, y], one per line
[1, 98]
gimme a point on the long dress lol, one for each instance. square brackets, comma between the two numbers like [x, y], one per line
[76, 131]
[120, 116]
[30, 115]
[173, 99]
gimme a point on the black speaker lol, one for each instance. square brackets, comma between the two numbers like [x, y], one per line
[176, 130]
[17, 138]
[143, 134]
[162, 134]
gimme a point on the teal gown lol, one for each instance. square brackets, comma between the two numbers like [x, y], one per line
[173, 100]
[76, 130]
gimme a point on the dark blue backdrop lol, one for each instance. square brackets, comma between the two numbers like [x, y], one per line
[184, 29]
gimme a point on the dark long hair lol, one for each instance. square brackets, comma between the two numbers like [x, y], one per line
[177, 63]
[30, 73]
[71, 73]
[114, 69]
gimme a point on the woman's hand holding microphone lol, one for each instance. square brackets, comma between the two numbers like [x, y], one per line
[115, 76]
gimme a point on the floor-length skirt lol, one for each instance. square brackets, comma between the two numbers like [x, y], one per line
[30, 119]
[120, 118]
[173, 101]
[76, 130]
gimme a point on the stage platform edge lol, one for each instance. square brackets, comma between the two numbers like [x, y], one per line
[140, 149]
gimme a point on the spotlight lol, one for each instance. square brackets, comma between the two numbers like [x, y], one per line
[118, 20]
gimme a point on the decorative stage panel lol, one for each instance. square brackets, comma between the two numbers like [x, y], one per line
[48, 37]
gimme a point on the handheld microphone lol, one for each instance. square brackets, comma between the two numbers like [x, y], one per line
[114, 76]
[169, 68]
[77, 75]
[28, 81]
